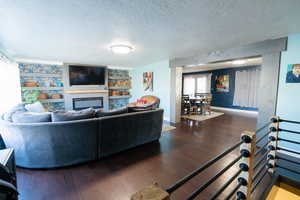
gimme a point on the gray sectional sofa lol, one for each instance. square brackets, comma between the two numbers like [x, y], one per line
[57, 144]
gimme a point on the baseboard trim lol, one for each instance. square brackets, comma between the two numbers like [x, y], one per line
[249, 112]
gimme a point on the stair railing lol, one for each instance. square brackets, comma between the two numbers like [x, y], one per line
[276, 137]
[269, 152]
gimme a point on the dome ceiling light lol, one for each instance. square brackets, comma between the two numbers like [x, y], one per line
[121, 49]
[239, 62]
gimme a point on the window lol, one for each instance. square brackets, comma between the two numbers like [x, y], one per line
[189, 85]
[202, 85]
[199, 83]
[9, 86]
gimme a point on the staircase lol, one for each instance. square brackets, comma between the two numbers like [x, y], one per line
[258, 158]
[283, 192]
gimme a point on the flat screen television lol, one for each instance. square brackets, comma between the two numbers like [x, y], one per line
[86, 75]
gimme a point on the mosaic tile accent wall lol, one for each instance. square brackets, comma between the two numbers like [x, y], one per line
[39, 82]
[115, 75]
[118, 73]
[117, 103]
[40, 68]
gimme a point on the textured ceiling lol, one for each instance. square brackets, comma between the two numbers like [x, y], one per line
[80, 31]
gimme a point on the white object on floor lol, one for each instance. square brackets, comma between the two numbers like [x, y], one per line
[202, 117]
[167, 128]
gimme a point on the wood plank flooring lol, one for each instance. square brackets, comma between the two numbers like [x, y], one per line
[117, 177]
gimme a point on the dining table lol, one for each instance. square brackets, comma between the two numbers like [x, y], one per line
[198, 100]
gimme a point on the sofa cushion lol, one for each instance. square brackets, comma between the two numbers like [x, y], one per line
[101, 113]
[59, 116]
[35, 107]
[31, 117]
[16, 109]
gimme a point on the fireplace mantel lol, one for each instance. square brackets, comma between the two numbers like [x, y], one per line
[85, 91]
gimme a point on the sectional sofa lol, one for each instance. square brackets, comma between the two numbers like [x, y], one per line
[58, 144]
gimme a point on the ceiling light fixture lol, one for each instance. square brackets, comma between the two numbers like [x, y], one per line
[121, 49]
[239, 62]
[194, 65]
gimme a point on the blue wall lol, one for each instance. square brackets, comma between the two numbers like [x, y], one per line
[161, 84]
[289, 98]
[225, 99]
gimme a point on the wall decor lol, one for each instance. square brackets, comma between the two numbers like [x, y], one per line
[293, 73]
[222, 83]
[148, 81]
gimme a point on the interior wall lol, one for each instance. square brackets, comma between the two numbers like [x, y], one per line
[176, 91]
[161, 84]
[289, 93]
[268, 88]
[288, 99]
[225, 99]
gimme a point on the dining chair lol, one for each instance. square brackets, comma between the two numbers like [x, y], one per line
[207, 104]
[197, 106]
[185, 105]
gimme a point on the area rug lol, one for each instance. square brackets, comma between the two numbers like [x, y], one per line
[202, 117]
[167, 128]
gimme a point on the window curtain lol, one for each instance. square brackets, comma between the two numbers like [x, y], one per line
[203, 83]
[246, 88]
[9, 85]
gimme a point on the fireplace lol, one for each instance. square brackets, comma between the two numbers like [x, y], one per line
[78, 100]
[88, 102]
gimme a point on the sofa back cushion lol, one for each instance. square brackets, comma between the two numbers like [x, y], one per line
[60, 116]
[16, 109]
[31, 117]
[101, 113]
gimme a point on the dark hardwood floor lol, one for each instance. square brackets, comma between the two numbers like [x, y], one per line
[117, 177]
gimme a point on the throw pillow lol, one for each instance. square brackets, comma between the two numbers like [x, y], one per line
[35, 107]
[16, 109]
[31, 117]
[59, 116]
[101, 113]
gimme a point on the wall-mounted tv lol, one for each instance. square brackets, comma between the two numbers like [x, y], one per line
[86, 75]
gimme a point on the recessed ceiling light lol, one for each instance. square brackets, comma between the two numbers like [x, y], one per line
[195, 65]
[121, 49]
[239, 62]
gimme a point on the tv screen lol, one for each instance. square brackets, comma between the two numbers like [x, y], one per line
[85, 75]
